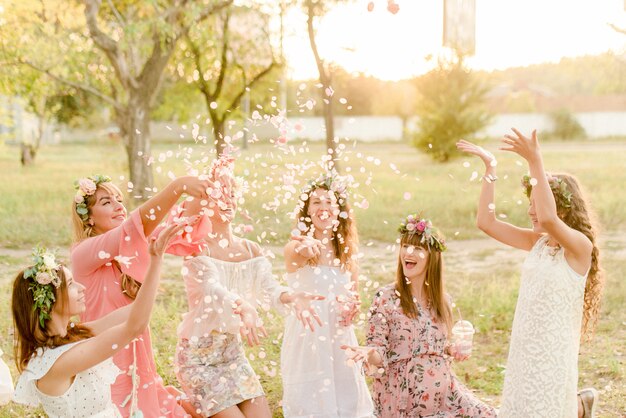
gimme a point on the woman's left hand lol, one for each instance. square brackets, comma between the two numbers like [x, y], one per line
[304, 311]
[527, 148]
[456, 355]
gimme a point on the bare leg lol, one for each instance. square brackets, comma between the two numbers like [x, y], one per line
[581, 410]
[256, 408]
[178, 395]
[232, 412]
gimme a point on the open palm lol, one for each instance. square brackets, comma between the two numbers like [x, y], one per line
[470, 148]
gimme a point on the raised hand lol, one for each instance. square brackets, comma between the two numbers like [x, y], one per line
[307, 247]
[527, 148]
[157, 246]
[306, 313]
[488, 158]
[199, 187]
[251, 325]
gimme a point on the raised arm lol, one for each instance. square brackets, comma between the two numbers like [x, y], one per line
[577, 246]
[522, 238]
[299, 250]
[109, 340]
[156, 208]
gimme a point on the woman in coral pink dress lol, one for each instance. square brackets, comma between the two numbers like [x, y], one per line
[407, 351]
[110, 258]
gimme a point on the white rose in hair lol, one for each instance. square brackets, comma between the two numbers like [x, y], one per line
[43, 278]
[79, 197]
[49, 261]
[87, 186]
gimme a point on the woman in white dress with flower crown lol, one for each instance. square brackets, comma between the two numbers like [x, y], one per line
[317, 381]
[560, 286]
[66, 367]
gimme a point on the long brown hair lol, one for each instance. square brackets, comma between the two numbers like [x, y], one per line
[81, 229]
[579, 217]
[434, 283]
[29, 335]
[345, 238]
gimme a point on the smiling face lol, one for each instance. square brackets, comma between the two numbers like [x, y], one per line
[75, 294]
[414, 260]
[108, 210]
[532, 214]
[323, 210]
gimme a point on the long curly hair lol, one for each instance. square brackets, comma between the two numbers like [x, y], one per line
[578, 216]
[29, 334]
[345, 238]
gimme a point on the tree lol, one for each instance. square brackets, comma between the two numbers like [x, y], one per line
[130, 44]
[451, 106]
[239, 57]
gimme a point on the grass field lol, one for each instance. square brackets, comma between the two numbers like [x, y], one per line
[483, 277]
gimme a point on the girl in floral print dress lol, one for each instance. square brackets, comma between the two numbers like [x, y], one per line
[407, 351]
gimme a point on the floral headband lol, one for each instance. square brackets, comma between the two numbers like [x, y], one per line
[43, 275]
[562, 195]
[413, 224]
[332, 181]
[86, 187]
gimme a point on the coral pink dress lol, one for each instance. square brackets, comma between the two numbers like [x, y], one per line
[92, 266]
[417, 380]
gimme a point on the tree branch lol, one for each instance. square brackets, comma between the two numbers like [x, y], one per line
[107, 44]
[202, 84]
[83, 87]
[224, 58]
[324, 78]
[252, 82]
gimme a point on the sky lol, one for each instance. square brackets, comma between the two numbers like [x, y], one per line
[509, 33]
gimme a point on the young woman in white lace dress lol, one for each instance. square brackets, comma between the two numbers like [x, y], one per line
[66, 367]
[560, 285]
[317, 382]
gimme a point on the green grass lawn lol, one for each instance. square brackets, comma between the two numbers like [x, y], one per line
[482, 277]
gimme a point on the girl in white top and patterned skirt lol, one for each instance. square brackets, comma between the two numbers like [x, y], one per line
[560, 286]
[226, 280]
[317, 381]
[66, 367]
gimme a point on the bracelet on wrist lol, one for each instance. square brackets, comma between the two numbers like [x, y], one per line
[490, 178]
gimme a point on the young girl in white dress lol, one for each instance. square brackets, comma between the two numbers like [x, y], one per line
[560, 286]
[316, 378]
[226, 280]
[66, 367]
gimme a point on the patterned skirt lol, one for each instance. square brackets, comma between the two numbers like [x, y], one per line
[215, 373]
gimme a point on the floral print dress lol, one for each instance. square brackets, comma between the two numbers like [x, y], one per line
[416, 378]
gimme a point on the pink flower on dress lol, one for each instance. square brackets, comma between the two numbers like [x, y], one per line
[87, 186]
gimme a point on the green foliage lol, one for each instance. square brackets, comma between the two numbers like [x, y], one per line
[451, 106]
[565, 125]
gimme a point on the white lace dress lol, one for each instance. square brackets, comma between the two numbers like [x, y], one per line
[317, 382]
[541, 375]
[88, 396]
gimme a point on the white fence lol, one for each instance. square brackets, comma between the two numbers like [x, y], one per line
[362, 128]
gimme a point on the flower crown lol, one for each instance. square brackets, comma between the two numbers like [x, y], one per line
[86, 187]
[562, 195]
[43, 276]
[332, 181]
[413, 224]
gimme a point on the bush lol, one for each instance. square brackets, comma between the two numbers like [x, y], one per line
[565, 125]
[451, 106]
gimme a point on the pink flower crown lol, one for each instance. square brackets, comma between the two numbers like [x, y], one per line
[430, 236]
[86, 187]
[43, 278]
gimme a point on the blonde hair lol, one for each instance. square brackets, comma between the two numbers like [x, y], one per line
[579, 217]
[81, 229]
[435, 288]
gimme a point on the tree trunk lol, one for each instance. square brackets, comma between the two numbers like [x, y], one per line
[219, 132]
[135, 130]
[329, 122]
